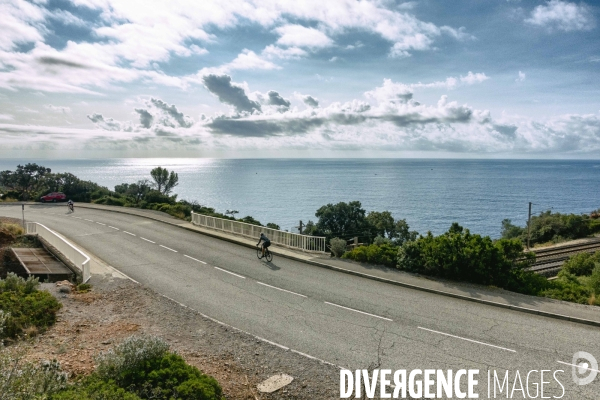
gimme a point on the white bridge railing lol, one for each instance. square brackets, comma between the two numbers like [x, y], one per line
[282, 238]
[76, 256]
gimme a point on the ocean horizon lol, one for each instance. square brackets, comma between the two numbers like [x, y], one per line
[430, 194]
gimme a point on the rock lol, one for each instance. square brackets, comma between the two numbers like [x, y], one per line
[64, 289]
[274, 383]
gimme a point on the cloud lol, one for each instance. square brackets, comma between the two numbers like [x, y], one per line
[108, 124]
[289, 53]
[276, 100]
[171, 110]
[146, 118]
[563, 16]
[58, 109]
[229, 93]
[309, 100]
[521, 77]
[301, 36]
[6, 117]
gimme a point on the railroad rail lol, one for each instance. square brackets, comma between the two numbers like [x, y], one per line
[550, 260]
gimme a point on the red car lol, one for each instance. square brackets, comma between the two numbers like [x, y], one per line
[54, 197]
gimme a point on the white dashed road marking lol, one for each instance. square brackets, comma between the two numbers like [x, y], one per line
[468, 340]
[129, 233]
[147, 240]
[283, 290]
[185, 255]
[168, 248]
[358, 311]
[112, 227]
[100, 223]
[239, 276]
[88, 220]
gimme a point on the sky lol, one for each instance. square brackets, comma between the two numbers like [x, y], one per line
[301, 78]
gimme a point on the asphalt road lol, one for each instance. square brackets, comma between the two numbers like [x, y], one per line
[345, 320]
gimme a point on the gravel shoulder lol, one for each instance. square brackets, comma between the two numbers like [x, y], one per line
[116, 308]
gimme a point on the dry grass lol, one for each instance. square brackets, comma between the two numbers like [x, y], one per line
[13, 228]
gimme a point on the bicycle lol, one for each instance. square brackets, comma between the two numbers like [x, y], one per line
[71, 207]
[268, 255]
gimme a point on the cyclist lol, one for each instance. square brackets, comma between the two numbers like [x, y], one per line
[266, 242]
[71, 205]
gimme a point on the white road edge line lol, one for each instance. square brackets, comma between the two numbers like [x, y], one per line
[168, 248]
[577, 366]
[147, 240]
[100, 223]
[129, 233]
[224, 270]
[358, 311]
[249, 334]
[468, 340]
[195, 259]
[283, 290]
[113, 227]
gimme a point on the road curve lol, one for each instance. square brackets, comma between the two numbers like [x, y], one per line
[343, 319]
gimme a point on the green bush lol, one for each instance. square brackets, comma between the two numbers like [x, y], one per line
[94, 388]
[144, 365]
[385, 254]
[568, 288]
[460, 255]
[20, 380]
[582, 264]
[594, 281]
[26, 305]
[338, 246]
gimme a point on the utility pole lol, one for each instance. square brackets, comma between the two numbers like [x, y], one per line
[529, 226]
[23, 211]
[300, 225]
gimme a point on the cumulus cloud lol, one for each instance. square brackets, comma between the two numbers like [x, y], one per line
[146, 118]
[563, 16]
[310, 101]
[289, 53]
[301, 36]
[229, 93]
[108, 124]
[275, 99]
[521, 77]
[183, 121]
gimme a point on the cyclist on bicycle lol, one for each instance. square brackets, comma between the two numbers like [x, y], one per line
[70, 205]
[266, 242]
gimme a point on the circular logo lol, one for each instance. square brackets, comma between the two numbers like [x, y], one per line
[589, 366]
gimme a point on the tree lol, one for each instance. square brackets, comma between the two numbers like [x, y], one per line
[164, 181]
[342, 219]
[25, 180]
[382, 223]
[232, 213]
[402, 233]
[273, 225]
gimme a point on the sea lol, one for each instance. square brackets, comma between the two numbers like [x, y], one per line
[430, 194]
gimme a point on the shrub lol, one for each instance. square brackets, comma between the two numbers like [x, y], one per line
[338, 246]
[23, 380]
[460, 255]
[567, 287]
[379, 240]
[273, 226]
[385, 254]
[594, 281]
[14, 229]
[144, 365]
[582, 263]
[94, 388]
[27, 307]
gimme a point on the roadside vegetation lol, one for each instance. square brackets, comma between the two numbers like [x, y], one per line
[550, 228]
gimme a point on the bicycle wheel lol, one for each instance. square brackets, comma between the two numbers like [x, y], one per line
[259, 253]
[268, 255]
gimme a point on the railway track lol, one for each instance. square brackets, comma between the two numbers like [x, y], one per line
[549, 260]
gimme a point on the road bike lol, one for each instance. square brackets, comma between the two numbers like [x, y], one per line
[268, 255]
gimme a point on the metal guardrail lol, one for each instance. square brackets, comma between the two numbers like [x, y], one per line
[282, 238]
[76, 256]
